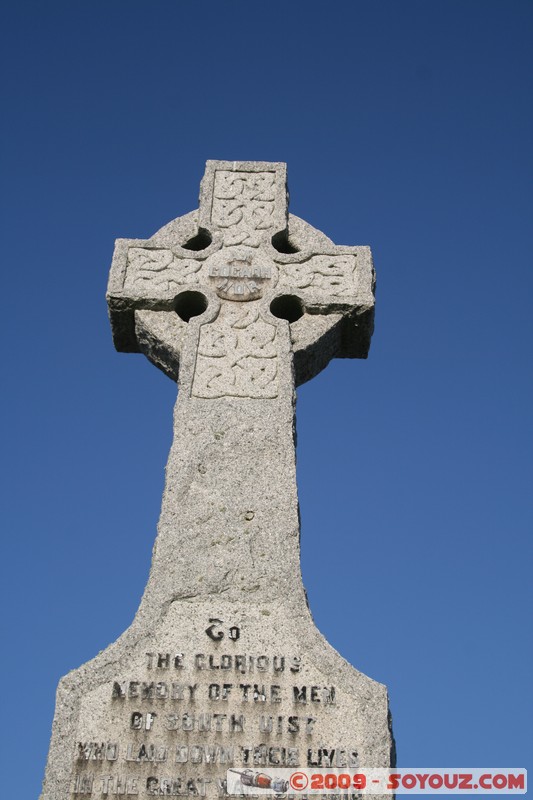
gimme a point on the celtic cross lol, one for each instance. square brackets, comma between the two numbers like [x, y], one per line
[222, 665]
[237, 302]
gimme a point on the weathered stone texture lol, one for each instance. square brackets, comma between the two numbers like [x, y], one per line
[238, 302]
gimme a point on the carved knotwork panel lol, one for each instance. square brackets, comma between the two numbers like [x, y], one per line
[237, 273]
[158, 271]
[237, 356]
[243, 206]
[334, 275]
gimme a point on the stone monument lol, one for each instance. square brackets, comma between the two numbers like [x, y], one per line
[222, 666]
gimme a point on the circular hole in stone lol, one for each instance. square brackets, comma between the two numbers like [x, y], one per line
[190, 304]
[282, 243]
[288, 307]
[201, 241]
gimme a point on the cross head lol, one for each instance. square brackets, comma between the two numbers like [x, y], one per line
[218, 298]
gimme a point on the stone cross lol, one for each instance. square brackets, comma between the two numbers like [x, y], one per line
[223, 666]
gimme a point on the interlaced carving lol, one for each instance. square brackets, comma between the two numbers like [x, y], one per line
[243, 205]
[237, 356]
[158, 269]
[328, 273]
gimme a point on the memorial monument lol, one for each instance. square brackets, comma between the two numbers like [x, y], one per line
[222, 666]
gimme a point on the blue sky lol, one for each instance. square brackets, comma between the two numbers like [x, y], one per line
[406, 126]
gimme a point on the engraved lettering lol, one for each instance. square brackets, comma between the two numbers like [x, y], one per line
[97, 751]
[156, 787]
[140, 721]
[263, 755]
[275, 694]
[119, 690]
[163, 660]
[83, 784]
[136, 721]
[146, 752]
[211, 631]
[300, 695]
[236, 723]
[118, 785]
[316, 694]
[203, 722]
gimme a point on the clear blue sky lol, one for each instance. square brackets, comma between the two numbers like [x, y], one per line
[405, 125]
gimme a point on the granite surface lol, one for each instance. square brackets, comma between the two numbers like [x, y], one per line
[237, 302]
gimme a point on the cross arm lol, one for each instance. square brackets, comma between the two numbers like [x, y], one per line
[147, 274]
[336, 281]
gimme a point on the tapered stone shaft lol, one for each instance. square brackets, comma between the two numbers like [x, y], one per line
[222, 666]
